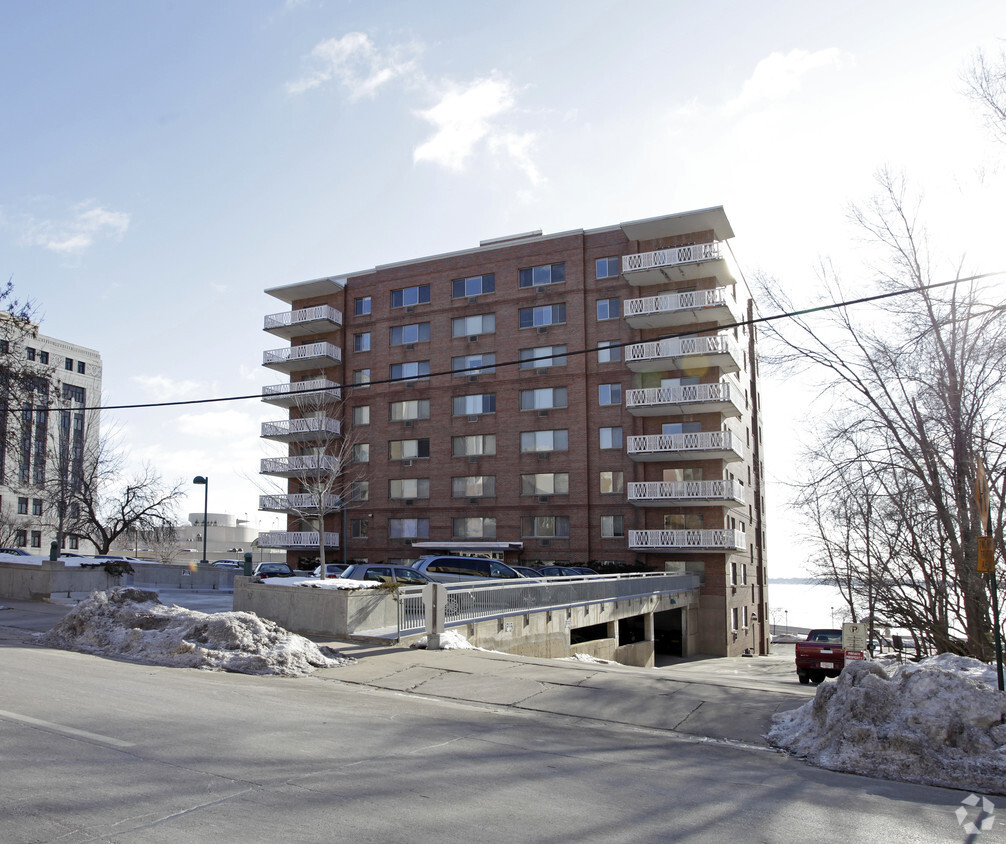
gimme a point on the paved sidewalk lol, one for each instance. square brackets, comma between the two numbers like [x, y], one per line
[730, 699]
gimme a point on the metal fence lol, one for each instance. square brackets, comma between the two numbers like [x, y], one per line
[473, 601]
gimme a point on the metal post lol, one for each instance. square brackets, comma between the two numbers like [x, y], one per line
[205, 482]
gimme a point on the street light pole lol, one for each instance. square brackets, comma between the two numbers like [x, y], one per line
[205, 482]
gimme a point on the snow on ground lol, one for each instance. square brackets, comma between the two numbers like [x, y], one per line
[134, 624]
[450, 640]
[593, 660]
[939, 722]
[328, 583]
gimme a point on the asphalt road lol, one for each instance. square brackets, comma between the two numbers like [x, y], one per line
[96, 749]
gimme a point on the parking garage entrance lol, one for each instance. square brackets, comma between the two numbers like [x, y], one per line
[668, 632]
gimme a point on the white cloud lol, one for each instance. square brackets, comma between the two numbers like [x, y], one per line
[780, 75]
[355, 63]
[464, 117]
[87, 224]
[165, 388]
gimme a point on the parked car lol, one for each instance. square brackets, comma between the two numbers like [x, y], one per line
[560, 571]
[331, 569]
[15, 552]
[820, 656]
[526, 571]
[228, 564]
[273, 570]
[584, 569]
[450, 569]
[383, 573]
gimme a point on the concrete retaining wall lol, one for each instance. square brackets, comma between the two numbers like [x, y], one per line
[40, 582]
[182, 577]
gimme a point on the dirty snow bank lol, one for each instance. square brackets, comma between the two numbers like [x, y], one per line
[449, 641]
[939, 722]
[134, 624]
[593, 660]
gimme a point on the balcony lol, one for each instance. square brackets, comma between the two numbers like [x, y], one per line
[294, 540]
[304, 321]
[693, 354]
[305, 466]
[689, 308]
[687, 540]
[721, 397]
[299, 358]
[728, 493]
[303, 393]
[302, 502]
[676, 264]
[311, 429]
[700, 445]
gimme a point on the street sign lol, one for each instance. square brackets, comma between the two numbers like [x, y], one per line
[986, 554]
[854, 636]
[982, 495]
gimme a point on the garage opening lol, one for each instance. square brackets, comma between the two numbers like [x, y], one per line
[579, 635]
[668, 632]
[631, 630]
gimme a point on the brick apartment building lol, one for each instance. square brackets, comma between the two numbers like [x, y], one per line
[588, 397]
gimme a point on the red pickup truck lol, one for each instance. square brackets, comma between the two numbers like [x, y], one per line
[820, 656]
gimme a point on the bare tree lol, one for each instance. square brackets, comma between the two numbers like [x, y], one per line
[985, 85]
[916, 396]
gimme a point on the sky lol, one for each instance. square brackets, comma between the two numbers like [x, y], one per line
[163, 163]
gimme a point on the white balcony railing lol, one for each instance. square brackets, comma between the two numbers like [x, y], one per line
[310, 428]
[690, 398]
[294, 357]
[303, 320]
[719, 349]
[726, 491]
[692, 540]
[307, 464]
[677, 263]
[301, 501]
[695, 445]
[296, 539]
[672, 308]
[308, 393]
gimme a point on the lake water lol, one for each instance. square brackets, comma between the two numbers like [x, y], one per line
[808, 605]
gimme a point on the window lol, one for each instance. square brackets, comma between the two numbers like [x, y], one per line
[473, 405]
[546, 274]
[361, 453]
[472, 326]
[409, 528]
[544, 398]
[542, 316]
[607, 309]
[361, 306]
[29, 353]
[545, 483]
[81, 366]
[474, 364]
[410, 370]
[474, 486]
[545, 527]
[542, 356]
[20, 538]
[36, 506]
[409, 296]
[361, 377]
[359, 491]
[684, 521]
[608, 351]
[74, 542]
[608, 394]
[475, 285]
[680, 475]
[36, 539]
[408, 449]
[416, 332]
[477, 445]
[612, 482]
[544, 441]
[671, 428]
[606, 267]
[611, 437]
[478, 527]
[5, 347]
[68, 364]
[43, 357]
[358, 528]
[409, 488]
[612, 527]
[409, 410]
[361, 415]
[361, 342]
[735, 618]
[22, 506]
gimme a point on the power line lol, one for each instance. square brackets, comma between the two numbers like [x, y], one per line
[479, 369]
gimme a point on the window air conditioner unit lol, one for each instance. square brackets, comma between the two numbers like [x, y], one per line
[541, 371]
[472, 378]
[543, 456]
[409, 347]
[473, 338]
[543, 329]
[544, 543]
[409, 309]
[408, 541]
[407, 462]
[408, 502]
[473, 460]
[473, 419]
[473, 501]
[408, 423]
[473, 300]
[543, 413]
[543, 499]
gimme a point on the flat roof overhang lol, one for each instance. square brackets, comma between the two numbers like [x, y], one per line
[291, 293]
[705, 219]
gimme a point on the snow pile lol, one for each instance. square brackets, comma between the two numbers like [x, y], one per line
[940, 722]
[134, 624]
[328, 583]
[593, 660]
[450, 640]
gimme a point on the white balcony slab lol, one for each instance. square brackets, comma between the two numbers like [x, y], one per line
[693, 354]
[698, 445]
[720, 397]
[691, 307]
[303, 321]
[687, 540]
[726, 493]
[300, 358]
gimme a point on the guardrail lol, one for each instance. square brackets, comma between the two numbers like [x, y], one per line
[474, 601]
